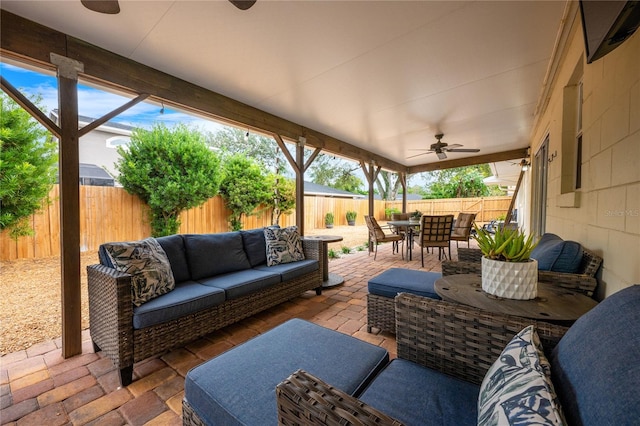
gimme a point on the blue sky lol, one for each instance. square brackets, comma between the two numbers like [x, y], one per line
[95, 103]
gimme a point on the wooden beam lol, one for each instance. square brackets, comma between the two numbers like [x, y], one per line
[286, 153]
[25, 103]
[69, 161]
[312, 157]
[470, 161]
[102, 120]
[513, 199]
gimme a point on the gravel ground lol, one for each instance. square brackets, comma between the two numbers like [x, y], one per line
[30, 307]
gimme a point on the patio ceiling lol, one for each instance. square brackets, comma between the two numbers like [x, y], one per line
[383, 76]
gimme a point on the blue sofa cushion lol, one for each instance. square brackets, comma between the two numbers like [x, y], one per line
[517, 388]
[214, 254]
[416, 395]
[186, 298]
[255, 246]
[241, 283]
[595, 367]
[399, 280]
[238, 386]
[173, 245]
[288, 271]
[555, 254]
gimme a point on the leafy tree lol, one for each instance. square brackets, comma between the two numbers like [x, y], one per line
[336, 173]
[460, 182]
[28, 158]
[243, 188]
[263, 150]
[282, 196]
[171, 170]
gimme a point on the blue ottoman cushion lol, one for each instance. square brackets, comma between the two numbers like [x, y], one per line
[400, 280]
[416, 395]
[238, 386]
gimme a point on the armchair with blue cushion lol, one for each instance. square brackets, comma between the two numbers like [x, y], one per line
[564, 263]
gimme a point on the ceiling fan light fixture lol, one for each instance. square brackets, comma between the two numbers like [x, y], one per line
[110, 7]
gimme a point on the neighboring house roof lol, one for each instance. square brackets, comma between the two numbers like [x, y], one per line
[109, 126]
[410, 197]
[311, 188]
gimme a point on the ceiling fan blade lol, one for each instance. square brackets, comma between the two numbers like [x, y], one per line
[464, 150]
[450, 147]
[243, 4]
[441, 155]
[418, 155]
[110, 7]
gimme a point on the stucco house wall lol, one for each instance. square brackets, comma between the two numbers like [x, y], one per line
[604, 214]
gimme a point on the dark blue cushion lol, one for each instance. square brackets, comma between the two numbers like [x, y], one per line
[595, 368]
[398, 280]
[214, 254]
[417, 395]
[104, 257]
[238, 386]
[292, 270]
[555, 254]
[255, 246]
[173, 246]
[241, 283]
[186, 298]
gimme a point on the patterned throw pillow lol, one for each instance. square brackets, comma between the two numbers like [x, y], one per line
[283, 245]
[148, 265]
[517, 389]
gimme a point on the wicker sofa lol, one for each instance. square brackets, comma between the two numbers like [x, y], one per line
[593, 368]
[556, 257]
[219, 279]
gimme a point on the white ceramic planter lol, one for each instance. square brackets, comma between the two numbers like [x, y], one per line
[511, 280]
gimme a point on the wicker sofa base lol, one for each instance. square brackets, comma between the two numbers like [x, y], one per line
[111, 313]
[381, 313]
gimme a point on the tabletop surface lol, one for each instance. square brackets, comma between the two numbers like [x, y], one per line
[553, 302]
[325, 238]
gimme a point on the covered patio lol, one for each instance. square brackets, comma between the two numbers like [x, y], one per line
[85, 389]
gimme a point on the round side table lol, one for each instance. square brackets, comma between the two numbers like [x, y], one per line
[328, 279]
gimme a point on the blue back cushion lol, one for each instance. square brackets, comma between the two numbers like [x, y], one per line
[214, 254]
[173, 245]
[555, 254]
[595, 367]
[255, 246]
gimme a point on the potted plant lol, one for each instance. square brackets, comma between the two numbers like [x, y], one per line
[328, 220]
[415, 216]
[351, 217]
[507, 269]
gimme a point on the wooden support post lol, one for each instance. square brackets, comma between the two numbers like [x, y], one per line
[403, 181]
[69, 166]
[300, 184]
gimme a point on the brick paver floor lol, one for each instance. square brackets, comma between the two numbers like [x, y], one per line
[39, 387]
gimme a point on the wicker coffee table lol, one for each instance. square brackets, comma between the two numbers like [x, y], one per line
[553, 303]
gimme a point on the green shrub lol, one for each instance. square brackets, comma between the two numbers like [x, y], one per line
[328, 218]
[389, 211]
[351, 215]
[171, 170]
[345, 249]
[332, 254]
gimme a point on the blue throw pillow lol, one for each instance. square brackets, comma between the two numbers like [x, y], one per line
[556, 255]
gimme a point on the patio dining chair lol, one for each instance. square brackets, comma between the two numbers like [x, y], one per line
[435, 231]
[377, 235]
[462, 228]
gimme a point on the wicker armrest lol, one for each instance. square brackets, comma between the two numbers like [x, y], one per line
[459, 340]
[303, 399]
[452, 267]
[312, 249]
[576, 282]
[111, 312]
[469, 255]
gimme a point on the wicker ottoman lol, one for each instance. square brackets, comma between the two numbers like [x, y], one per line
[238, 387]
[383, 288]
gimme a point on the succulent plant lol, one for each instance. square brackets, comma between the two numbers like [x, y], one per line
[507, 244]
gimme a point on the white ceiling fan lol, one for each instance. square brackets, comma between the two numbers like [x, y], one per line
[440, 148]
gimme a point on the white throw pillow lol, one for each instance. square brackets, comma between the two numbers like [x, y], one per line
[283, 245]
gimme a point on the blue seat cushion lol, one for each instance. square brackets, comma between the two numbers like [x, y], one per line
[186, 298]
[595, 368]
[292, 270]
[241, 283]
[416, 395]
[399, 280]
[238, 386]
[173, 246]
[557, 255]
[255, 246]
[214, 254]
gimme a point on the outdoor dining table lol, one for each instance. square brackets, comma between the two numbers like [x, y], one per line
[410, 227]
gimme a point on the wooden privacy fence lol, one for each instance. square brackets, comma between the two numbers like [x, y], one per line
[111, 214]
